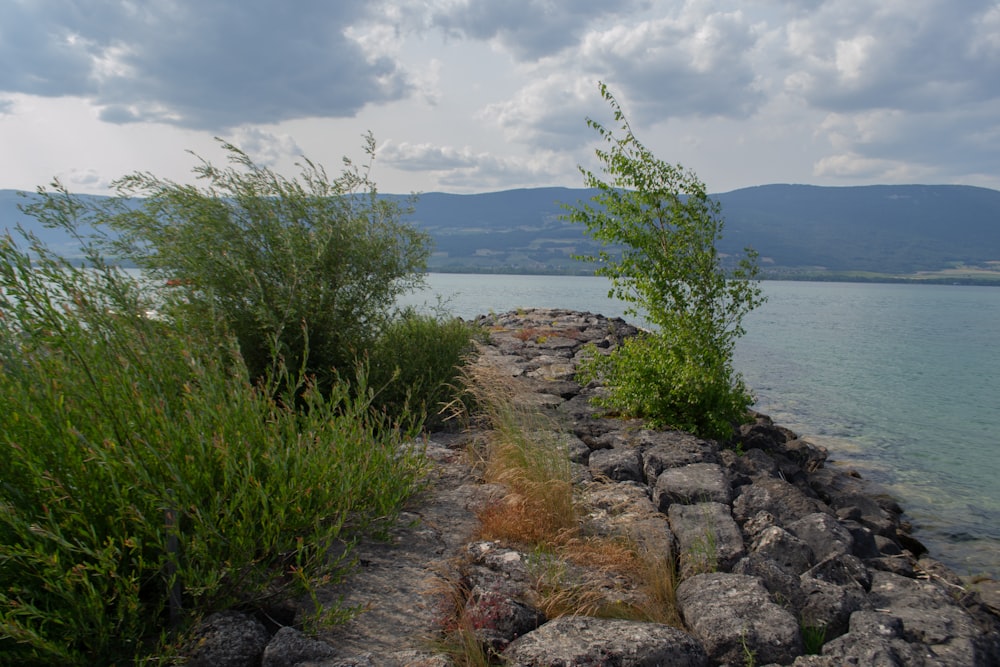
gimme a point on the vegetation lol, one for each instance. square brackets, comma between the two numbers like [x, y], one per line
[670, 271]
[172, 452]
[292, 265]
[414, 364]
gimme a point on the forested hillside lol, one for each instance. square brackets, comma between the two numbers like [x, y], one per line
[951, 231]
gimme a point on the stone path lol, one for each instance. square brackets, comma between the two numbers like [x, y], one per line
[404, 585]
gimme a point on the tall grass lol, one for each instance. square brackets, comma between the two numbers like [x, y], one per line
[416, 362]
[522, 451]
[139, 462]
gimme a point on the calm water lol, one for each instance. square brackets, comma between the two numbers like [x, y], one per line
[900, 382]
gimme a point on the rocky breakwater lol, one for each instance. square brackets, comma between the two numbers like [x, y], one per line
[781, 558]
[759, 552]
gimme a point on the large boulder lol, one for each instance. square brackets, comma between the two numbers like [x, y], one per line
[616, 465]
[734, 617]
[707, 537]
[592, 642]
[692, 483]
[785, 501]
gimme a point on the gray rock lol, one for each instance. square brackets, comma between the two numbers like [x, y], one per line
[785, 588]
[842, 570]
[931, 616]
[874, 638]
[771, 494]
[498, 619]
[618, 465]
[733, 616]
[591, 642]
[289, 648]
[788, 551]
[672, 449]
[690, 484]
[707, 537]
[625, 511]
[228, 639]
[828, 606]
[824, 534]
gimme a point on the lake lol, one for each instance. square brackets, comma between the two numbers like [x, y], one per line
[899, 382]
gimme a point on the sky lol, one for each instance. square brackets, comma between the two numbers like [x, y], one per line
[468, 96]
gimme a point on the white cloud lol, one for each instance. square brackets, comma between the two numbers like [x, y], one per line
[463, 167]
[498, 91]
[265, 148]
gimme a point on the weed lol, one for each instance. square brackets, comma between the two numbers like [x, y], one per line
[813, 637]
[749, 655]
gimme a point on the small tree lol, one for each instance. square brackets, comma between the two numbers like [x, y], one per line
[664, 224]
[304, 271]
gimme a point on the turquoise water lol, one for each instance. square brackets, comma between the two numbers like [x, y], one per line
[900, 382]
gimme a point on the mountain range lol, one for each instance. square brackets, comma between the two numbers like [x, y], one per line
[936, 232]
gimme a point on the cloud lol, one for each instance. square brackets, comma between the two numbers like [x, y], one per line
[88, 180]
[891, 145]
[548, 113]
[464, 168]
[198, 65]
[915, 55]
[694, 63]
[528, 29]
[265, 148]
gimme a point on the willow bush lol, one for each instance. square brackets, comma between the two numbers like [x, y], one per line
[659, 229]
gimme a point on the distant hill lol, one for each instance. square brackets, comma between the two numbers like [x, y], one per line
[951, 231]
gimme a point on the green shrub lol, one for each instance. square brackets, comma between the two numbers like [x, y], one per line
[304, 271]
[651, 377]
[662, 221]
[110, 421]
[416, 361]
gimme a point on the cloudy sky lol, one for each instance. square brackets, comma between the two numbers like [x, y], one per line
[484, 95]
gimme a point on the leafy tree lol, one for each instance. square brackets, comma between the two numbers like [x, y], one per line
[666, 227]
[304, 271]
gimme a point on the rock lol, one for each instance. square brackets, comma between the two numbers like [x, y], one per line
[289, 648]
[930, 616]
[874, 639]
[498, 619]
[592, 642]
[789, 552]
[842, 570]
[617, 465]
[824, 534]
[625, 511]
[734, 617]
[784, 587]
[672, 449]
[227, 639]
[707, 537]
[693, 483]
[785, 501]
[828, 607]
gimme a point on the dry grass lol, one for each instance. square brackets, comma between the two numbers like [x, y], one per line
[574, 573]
[522, 451]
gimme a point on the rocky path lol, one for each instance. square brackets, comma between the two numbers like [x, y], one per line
[783, 559]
